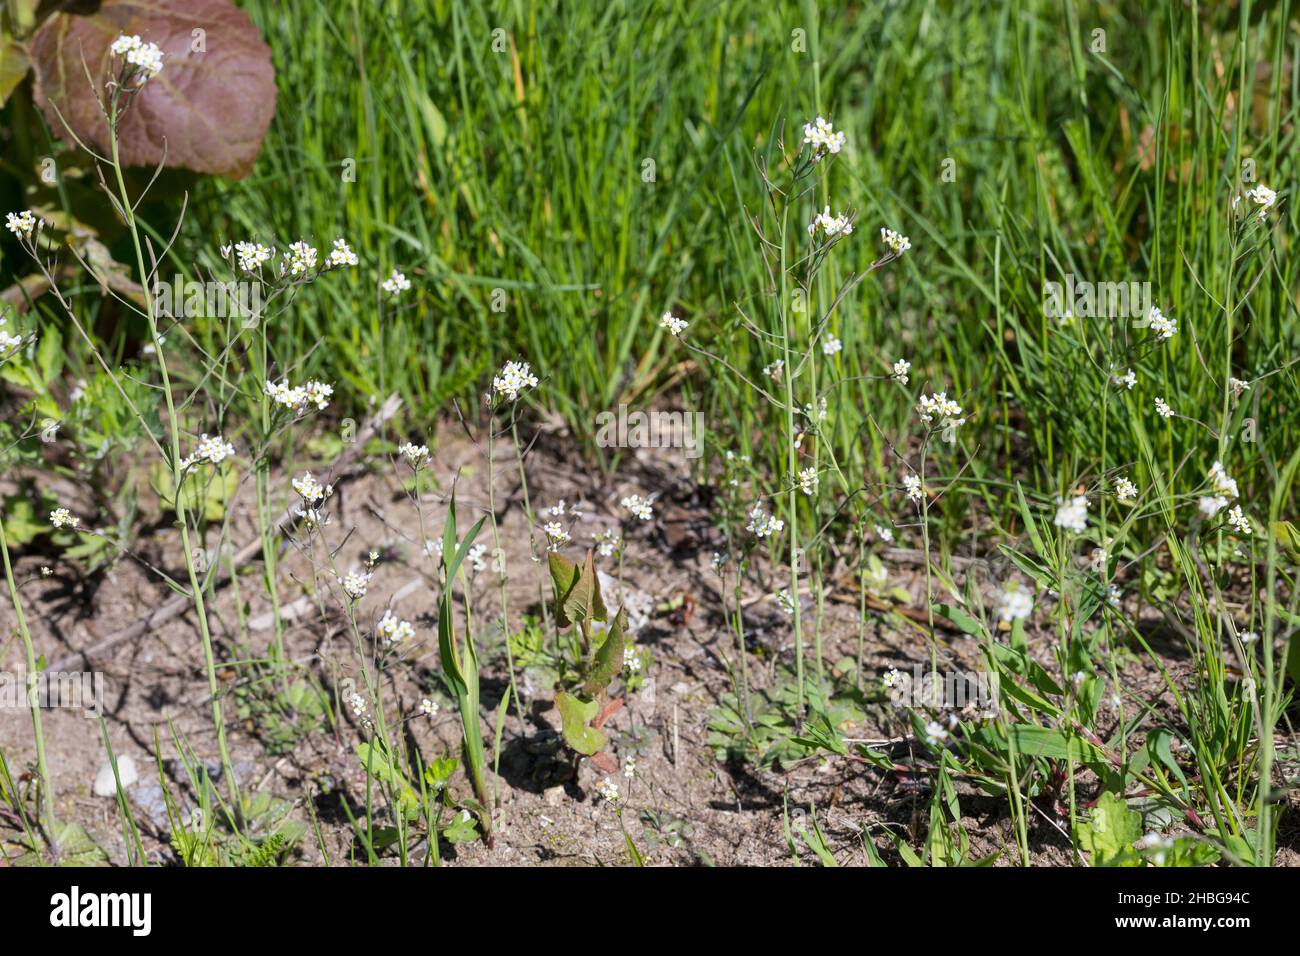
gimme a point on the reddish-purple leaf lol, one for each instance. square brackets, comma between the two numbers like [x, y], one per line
[208, 110]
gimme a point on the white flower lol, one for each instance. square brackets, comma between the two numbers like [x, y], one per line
[1248, 637]
[1221, 482]
[396, 284]
[415, 455]
[607, 542]
[912, 484]
[147, 57]
[251, 256]
[1015, 604]
[358, 705]
[318, 394]
[63, 518]
[1125, 489]
[831, 226]
[1112, 595]
[939, 405]
[761, 525]
[428, 707]
[639, 507]
[475, 557]
[1263, 197]
[513, 379]
[884, 534]
[773, 370]
[313, 518]
[354, 584]
[1162, 325]
[1163, 409]
[891, 677]
[1238, 520]
[393, 630]
[341, 255]
[609, 790]
[819, 414]
[300, 258]
[785, 602]
[556, 536]
[1211, 505]
[8, 342]
[832, 345]
[631, 659]
[1128, 379]
[21, 224]
[935, 734]
[901, 368]
[808, 481]
[310, 490]
[1237, 386]
[629, 768]
[1072, 515]
[896, 242]
[823, 138]
[674, 325]
[212, 450]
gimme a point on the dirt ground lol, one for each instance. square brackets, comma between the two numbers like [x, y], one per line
[708, 811]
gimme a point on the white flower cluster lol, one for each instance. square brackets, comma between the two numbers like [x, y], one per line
[895, 242]
[63, 518]
[8, 341]
[392, 629]
[640, 507]
[1221, 482]
[1161, 324]
[249, 256]
[832, 346]
[1128, 379]
[146, 57]
[1072, 515]
[831, 226]
[823, 138]
[298, 398]
[808, 479]
[1263, 197]
[213, 450]
[354, 584]
[912, 484]
[631, 659]
[428, 707]
[514, 378]
[556, 536]
[773, 370]
[21, 224]
[900, 370]
[1015, 604]
[672, 324]
[301, 258]
[396, 284]
[415, 455]
[341, 255]
[1240, 523]
[607, 542]
[1163, 409]
[940, 406]
[1125, 489]
[761, 524]
[609, 790]
[310, 490]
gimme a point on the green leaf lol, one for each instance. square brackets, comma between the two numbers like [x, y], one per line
[576, 715]
[608, 660]
[960, 619]
[1109, 834]
[13, 67]
[577, 591]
